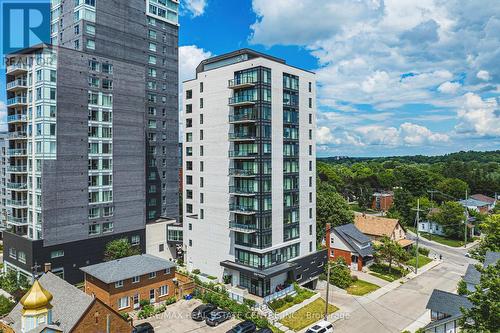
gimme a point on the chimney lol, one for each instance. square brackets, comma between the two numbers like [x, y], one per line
[47, 267]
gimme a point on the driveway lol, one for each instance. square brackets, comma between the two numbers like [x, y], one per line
[177, 319]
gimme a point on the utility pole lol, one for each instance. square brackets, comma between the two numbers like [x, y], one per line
[417, 220]
[466, 231]
[327, 288]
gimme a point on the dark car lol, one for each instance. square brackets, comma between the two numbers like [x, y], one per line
[217, 316]
[200, 312]
[264, 330]
[244, 327]
[143, 328]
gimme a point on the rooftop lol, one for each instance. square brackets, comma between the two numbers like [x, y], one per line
[355, 238]
[483, 198]
[448, 303]
[375, 225]
[128, 267]
[473, 203]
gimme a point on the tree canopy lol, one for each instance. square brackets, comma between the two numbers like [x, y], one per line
[120, 248]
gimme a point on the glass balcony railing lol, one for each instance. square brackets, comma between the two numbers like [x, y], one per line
[17, 168]
[16, 118]
[242, 208]
[243, 99]
[16, 100]
[242, 227]
[243, 81]
[242, 190]
[19, 83]
[242, 172]
[17, 220]
[240, 117]
[17, 186]
[242, 136]
[242, 153]
[17, 135]
[16, 68]
[16, 152]
[17, 203]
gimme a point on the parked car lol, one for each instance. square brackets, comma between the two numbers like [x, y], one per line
[217, 317]
[265, 330]
[200, 312]
[321, 327]
[244, 327]
[143, 328]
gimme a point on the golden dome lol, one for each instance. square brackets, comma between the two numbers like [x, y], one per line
[37, 297]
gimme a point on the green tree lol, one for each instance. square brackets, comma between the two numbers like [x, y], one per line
[462, 288]
[9, 282]
[331, 208]
[491, 239]
[484, 315]
[5, 305]
[453, 187]
[120, 248]
[340, 274]
[451, 216]
[413, 179]
[403, 204]
[365, 197]
[390, 252]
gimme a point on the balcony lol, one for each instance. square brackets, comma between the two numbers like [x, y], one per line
[243, 191]
[17, 169]
[242, 100]
[18, 68]
[242, 209]
[18, 221]
[243, 117]
[17, 118]
[242, 136]
[17, 85]
[17, 186]
[17, 101]
[16, 152]
[242, 173]
[242, 82]
[242, 154]
[17, 203]
[16, 135]
[243, 228]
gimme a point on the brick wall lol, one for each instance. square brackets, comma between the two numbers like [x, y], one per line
[110, 295]
[96, 320]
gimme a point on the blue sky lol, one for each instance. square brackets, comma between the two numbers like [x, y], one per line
[394, 77]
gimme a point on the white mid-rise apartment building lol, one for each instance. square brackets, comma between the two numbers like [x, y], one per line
[249, 167]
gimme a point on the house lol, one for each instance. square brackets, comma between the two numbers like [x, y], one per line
[445, 311]
[348, 242]
[472, 276]
[382, 201]
[123, 283]
[377, 227]
[476, 205]
[430, 227]
[54, 306]
[484, 198]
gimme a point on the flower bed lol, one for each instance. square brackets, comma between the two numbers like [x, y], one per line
[281, 304]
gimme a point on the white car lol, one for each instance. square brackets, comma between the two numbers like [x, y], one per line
[321, 327]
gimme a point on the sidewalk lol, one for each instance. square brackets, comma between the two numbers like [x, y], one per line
[423, 320]
[468, 246]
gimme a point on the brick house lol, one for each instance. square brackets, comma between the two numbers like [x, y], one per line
[377, 227]
[382, 201]
[348, 242]
[123, 283]
[54, 306]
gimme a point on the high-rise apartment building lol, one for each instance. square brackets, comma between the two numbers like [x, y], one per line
[93, 133]
[249, 166]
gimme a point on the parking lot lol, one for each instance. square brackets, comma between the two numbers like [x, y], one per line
[177, 319]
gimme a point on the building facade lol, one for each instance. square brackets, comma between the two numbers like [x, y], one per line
[3, 181]
[93, 133]
[249, 190]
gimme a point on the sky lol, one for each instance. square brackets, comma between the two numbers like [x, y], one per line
[394, 77]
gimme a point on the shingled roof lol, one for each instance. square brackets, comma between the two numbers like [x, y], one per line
[375, 225]
[358, 241]
[483, 198]
[448, 303]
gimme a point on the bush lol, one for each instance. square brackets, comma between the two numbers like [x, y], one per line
[424, 251]
[125, 315]
[340, 274]
[196, 271]
[146, 311]
[249, 302]
[5, 305]
[144, 302]
[227, 279]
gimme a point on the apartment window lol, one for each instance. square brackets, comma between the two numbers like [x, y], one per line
[310, 181]
[77, 29]
[310, 197]
[201, 119]
[166, 271]
[201, 103]
[310, 134]
[201, 87]
[310, 246]
[189, 108]
[202, 166]
[107, 84]
[189, 208]
[310, 166]
[161, 247]
[152, 34]
[163, 291]
[189, 180]
[90, 44]
[189, 137]
[94, 82]
[189, 122]
[189, 151]
[201, 151]
[201, 181]
[107, 68]
[119, 284]
[310, 102]
[90, 29]
[310, 230]
[190, 242]
[12, 253]
[202, 214]
[310, 118]
[21, 256]
[202, 197]
[189, 194]
[310, 213]
[94, 65]
[107, 227]
[53, 76]
[190, 226]
[135, 240]
[189, 94]
[189, 165]
[152, 72]
[310, 150]
[94, 229]
[136, 279]
[152, 275]
[310, 86]
[56, 254]
[123, 303]
[152, 47]
[152, 59]
[76, 44]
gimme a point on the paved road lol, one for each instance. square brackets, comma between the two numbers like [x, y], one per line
[397, 309]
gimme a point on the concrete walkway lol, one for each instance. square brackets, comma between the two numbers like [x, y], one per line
[370, 278]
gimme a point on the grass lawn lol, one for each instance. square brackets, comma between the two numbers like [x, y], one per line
[383, 272]
[308, 315]
[443, 240]
[360, 288]
[422, 261]
[288, 301]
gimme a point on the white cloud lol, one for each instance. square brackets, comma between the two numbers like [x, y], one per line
[478, 116]
[196, 7]
[190, 57]
[449, 87]
[483, 75]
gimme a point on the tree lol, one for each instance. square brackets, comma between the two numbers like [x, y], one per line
[453, 186]
[9, 282]
[365, 194]
[491, 240]
[5, 305]
[484, 315]
[331, 208]
[403, 201]
[451, 217]
[390, 252]
[340, 274]
[120, 248]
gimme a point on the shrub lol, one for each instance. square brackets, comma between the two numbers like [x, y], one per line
[249, 302]
[340, 274]
[423, 250]
[227, 279]
[170, 300]
[144, 302]
[125, 315]
[196, 271]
